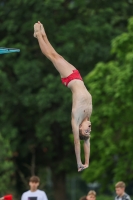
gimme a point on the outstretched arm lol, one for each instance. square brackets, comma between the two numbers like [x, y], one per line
[87, 152]
[75, 129]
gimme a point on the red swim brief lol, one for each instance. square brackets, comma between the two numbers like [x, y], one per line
[74, 75]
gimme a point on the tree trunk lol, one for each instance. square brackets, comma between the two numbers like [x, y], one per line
[59, 186]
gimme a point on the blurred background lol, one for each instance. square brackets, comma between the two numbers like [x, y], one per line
[35, 108]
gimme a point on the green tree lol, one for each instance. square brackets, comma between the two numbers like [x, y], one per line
[35, 107]
[111, 85]
[6, 166]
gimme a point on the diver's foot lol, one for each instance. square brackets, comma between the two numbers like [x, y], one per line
[42, 29]
[37, 29]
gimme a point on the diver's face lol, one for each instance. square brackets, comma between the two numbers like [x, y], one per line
[85, 128]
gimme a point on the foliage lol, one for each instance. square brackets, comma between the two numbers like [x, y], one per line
[104, 197]
[111, 87]
[6, 166]
[35, 107]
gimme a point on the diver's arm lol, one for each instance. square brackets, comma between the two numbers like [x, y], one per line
[87, 152]
[75, 129]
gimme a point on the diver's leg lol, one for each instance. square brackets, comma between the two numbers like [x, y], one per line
[62, 66]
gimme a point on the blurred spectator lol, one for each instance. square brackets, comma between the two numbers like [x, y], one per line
[34, 193]
[91, 195]
[120, 191]
[6, 197]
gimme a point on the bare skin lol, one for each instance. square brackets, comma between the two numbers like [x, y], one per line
[81, 98]
[33, 186]
[120, 191]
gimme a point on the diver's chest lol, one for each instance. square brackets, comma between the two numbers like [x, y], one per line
[83, 111]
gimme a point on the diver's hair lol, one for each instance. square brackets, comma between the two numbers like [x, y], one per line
[120, 184]
[83, 137]
[91, 192]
